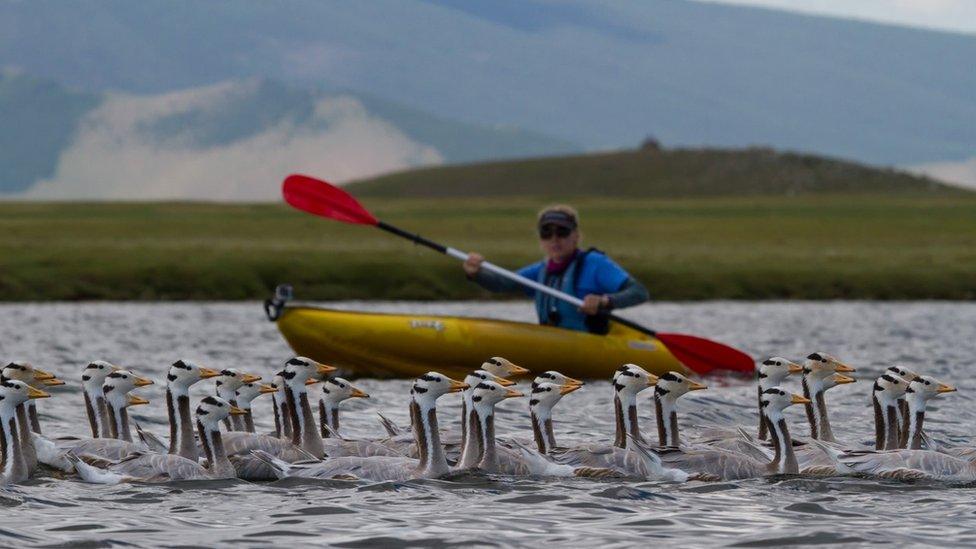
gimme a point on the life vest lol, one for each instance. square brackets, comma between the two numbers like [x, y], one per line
[590, 272]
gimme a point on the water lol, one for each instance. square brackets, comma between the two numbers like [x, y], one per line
[933, 338]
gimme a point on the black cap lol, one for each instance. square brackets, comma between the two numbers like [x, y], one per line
[558, 218]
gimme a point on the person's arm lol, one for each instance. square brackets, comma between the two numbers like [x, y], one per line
[494, 282]
[630, 293]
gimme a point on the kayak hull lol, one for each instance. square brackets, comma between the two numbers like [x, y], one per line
[401, 345]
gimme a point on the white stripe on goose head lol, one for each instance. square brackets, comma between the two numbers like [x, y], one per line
[184, 373]
[670, 387]
[555, 377]
[503, 367]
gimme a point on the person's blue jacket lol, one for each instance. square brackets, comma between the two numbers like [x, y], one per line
[590, 272]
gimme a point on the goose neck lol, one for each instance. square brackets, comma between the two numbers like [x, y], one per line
[328, 417]
[784, 460]
[541, 417]
[12, 465]
[304, 433]
[213, 447]
[181, 440]
[666, 410]
[433, 462]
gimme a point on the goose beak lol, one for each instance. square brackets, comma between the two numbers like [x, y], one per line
[251, 378]
[516, 370]
[207, 373]
[143, 381]
[512, 393]
[358, 393]
[33, 393]
[571, 381]
[52, 382]
[795, 368]
[457, 386]
[841, 379]
[116, 368]
[312, 381]
[797, 399]
[943, 388]
[695, 386]
[841, 367]
[41, 375]
[265, 389]
[569, 388]
[503, 382]
[235, 411]
[324, 369]
[134, 400]
[651, 380]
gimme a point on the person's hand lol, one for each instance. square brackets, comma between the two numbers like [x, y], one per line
[593, 302]
[472, 265]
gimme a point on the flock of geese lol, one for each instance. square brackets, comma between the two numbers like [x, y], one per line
[219, 439]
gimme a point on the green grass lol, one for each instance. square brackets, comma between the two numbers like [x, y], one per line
[894, 246]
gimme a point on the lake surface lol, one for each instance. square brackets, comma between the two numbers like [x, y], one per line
[932, 338]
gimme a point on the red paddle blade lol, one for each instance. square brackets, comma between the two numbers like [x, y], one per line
[323, 199]
[705, 356]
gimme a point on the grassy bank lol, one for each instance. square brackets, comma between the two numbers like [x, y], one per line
[817, 247]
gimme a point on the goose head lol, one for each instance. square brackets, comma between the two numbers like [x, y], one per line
[250, 391]
[502, 367]
[477, 376]
[94, 375]
[631, 379]
[556, 378]
[546, 394]
[820, 366]
[299, 370]
[117, 386]
[14, 392]
[213, 409]
[337, 389]
[26, 372]
[775, 370]
[903, 373]
[923, 388]
[488, 393]
[184, 373]
[888, 388]
[673, 385]
[231, 379]
[776, 399]
[429, 387]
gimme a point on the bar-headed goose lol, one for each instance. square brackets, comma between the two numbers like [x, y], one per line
[116, 389]
[708, 464]
[423, 412]
[545, 396]
[818, 368]
[168, 467]
[903, 414]
[26, 372]
[92, 378]
[305, 433]
[918, 394]
[13, 393]
[246, 394]
[472, 380]
[884, 396]
[772, 373]
[334, 391]
[226, 385]
[181, 376]
[670, 387]
[628, 381]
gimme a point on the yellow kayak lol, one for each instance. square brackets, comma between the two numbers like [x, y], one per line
[401, 345]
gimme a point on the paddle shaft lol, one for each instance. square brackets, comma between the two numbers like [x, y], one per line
[514, 277]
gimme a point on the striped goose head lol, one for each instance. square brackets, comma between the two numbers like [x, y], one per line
[503, 367]
[545, 395]
[922, 388]
[213, 409]
[820, 366]
[489, 393]
[183, 373]
[774, 370]
[631, 379]
[556, 378]
[432, 385]
[673, 385]
[776, 399]
[337, 389]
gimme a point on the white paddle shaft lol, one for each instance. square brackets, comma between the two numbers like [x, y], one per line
[515, 277]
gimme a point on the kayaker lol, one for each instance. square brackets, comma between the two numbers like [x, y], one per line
[589, 275]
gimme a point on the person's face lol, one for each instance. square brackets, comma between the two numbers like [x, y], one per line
[558, 242]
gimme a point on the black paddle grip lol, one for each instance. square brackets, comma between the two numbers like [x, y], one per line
[416, 238]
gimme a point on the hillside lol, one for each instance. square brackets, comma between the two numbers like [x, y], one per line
[652, 173]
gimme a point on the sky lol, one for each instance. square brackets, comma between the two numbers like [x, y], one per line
[947, 15]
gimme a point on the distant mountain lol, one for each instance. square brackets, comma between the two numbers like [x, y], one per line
[233, 140]
[653, 172]
[599, 73]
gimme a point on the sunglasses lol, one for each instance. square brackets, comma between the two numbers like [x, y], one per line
[548, 231]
